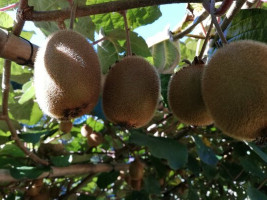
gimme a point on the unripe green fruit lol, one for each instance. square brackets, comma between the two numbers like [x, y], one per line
[185, 98]
[67, 77]
[234, 89]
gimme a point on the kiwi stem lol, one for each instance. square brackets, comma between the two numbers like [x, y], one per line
[127, 30]
[100, 40]
[202, 17]
[205, 41]
[73, 13]
[216, 24]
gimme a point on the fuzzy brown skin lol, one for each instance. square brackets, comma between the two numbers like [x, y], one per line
[67, 76]
[185, 98]
[131, 92]
[65, 126]
[235, 89]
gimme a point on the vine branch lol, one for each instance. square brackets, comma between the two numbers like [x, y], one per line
[30, 14]
[199, 19]
[72, 170]
[6, 88]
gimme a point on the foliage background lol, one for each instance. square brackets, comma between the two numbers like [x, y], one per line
[182, 161]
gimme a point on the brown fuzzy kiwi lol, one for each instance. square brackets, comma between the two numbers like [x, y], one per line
[65, 126]
[67, 75]
[94, 139]
[234, 89]
[86, 130]
[185, 98]
[131, 92]
[136, 170]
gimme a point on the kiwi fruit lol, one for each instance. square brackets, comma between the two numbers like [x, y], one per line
[185, 98]
[94, 139]
[131, 92]
[65, 126]
[86, 130]
[234, 89]
[136, 170]
[67, 75]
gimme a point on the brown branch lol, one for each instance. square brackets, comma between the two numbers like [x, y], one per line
[5, 88]
[15, 137]
[262, 184]
[16, 49]
[113, 6]
[72, 170]
[128, 40]
[234, 9]
[215, 22]
[205, 42]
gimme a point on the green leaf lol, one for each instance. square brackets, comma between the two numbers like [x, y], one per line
[86, 27]
[109, 21]
[258, 151]
[135, 17]
[166, 55]
[107, 55]
[12, 150]
[29, 113]
[4, 3]
[205, 153]
[6, 20]
[28, 92]
[34, 136]
[106, 178]
[138, 44]
[255, 194]
[61, 161]
[27, 34]
[186, 53]
[143, 16]
[164, 80]
[152, 185]
[171, 150]
[27, 172]
[138, 195]
[251, 166]
[248, 24]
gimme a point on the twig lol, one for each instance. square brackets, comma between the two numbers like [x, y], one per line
[73, 13]
[205, 42]
[202, 17]
[15, 137]
[215, 22]
[9, 7]
[78, 187]
[5, 88]
[234, 9]
[72, 170]
[239, 174]
[128, 39]
[262, 184]
[107, 7]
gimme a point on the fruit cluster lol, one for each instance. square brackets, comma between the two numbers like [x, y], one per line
[67, 81]
[230, 90]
